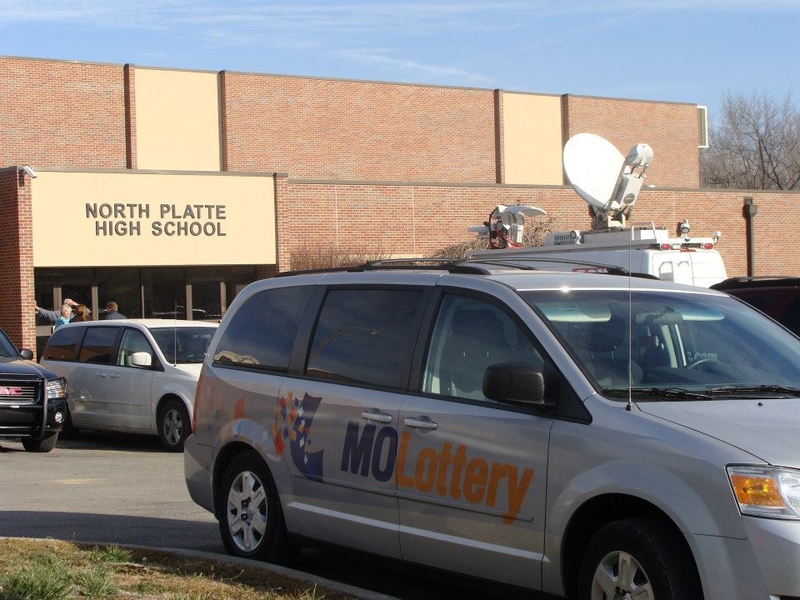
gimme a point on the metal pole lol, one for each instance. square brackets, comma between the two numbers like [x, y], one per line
[750, 211]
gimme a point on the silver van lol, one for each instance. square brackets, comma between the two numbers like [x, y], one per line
[131, 375]
[586, 435]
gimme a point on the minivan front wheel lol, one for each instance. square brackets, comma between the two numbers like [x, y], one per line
[251, 520]
[173, 425]
[637, 558]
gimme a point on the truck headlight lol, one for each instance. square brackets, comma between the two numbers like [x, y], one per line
[56, 388]
[772, 492]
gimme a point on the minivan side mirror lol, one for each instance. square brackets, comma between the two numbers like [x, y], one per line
[141, 359]
[515, 383]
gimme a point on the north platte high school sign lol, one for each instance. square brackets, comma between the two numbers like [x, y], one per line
[115, 219]
[194, 220]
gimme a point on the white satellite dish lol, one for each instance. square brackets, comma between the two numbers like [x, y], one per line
[608, 181]
[592, 165]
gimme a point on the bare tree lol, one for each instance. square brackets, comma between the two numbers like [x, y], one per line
[753, 144]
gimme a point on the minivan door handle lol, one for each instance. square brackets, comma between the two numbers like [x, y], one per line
[377, 416]
[421, 422]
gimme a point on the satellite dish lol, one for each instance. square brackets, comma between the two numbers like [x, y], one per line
[608, 181]
[592, 165]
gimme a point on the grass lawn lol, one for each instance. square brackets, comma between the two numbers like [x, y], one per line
[58, 570]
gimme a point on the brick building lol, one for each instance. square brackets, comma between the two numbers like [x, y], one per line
[168, 190]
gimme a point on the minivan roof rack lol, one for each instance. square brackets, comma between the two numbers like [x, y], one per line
[452, 265]
[474, 266]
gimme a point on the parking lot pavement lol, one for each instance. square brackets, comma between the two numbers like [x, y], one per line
[115, 488]
[103, 488]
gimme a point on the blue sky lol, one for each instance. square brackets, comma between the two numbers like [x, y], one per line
[674, 50]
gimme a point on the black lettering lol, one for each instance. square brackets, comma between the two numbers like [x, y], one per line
[384, 473]
[357, 451]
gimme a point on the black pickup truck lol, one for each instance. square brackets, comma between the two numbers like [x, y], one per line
[33, 400]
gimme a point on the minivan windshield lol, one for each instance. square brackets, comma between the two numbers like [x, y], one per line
[669, 345]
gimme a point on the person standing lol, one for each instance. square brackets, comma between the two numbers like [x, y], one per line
[60, 317]
[81, 314]
[112, 311]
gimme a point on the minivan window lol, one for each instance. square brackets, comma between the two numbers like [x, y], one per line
[366, 336]
[133, 341]
[261, 333]
[470, 335]
[98, 344]
[64, 344]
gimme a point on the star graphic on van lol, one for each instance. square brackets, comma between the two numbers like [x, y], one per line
[293, 418]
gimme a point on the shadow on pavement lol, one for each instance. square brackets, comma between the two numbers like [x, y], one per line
[99, 440]
[112, 529]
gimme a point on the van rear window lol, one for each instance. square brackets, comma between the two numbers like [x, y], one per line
[64, 344]
[260, 335]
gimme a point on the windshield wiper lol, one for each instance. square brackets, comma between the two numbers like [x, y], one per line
[655, 392]
[737, 390]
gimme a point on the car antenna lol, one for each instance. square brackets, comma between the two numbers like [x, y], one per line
[175, 336]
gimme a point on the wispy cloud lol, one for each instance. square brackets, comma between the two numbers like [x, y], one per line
[437, 72]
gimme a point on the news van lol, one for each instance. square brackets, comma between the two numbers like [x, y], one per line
[610, 184]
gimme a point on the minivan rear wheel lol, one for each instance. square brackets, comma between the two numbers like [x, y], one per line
[173, 425]
[251, 519]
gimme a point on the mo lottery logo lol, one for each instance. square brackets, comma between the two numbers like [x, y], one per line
[450, 472]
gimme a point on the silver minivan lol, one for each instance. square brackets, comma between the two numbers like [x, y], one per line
[589, 436]
[131, 375]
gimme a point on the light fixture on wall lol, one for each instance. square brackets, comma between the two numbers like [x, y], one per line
[28, 171]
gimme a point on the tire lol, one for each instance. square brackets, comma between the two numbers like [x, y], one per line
[45, 444]
[174, 425]
[68, 432]
[641, 558]
[251, 519]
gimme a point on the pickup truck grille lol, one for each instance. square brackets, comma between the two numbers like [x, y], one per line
[18, 394]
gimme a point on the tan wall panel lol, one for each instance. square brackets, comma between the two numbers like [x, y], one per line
[177, 120]
[161, 219]
[532, 141]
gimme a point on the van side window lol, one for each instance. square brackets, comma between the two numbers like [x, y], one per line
[261, 333]
[469, 335]
[366, 336]
[64, 344]
[133, 340]
[98, 344]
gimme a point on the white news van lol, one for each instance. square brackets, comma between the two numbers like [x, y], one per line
[609, 183]
[638, 249]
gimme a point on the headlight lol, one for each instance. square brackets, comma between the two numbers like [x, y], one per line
[766, 491]
[56, 388]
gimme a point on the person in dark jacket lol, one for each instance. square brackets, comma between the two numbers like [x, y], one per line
[112, 311]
